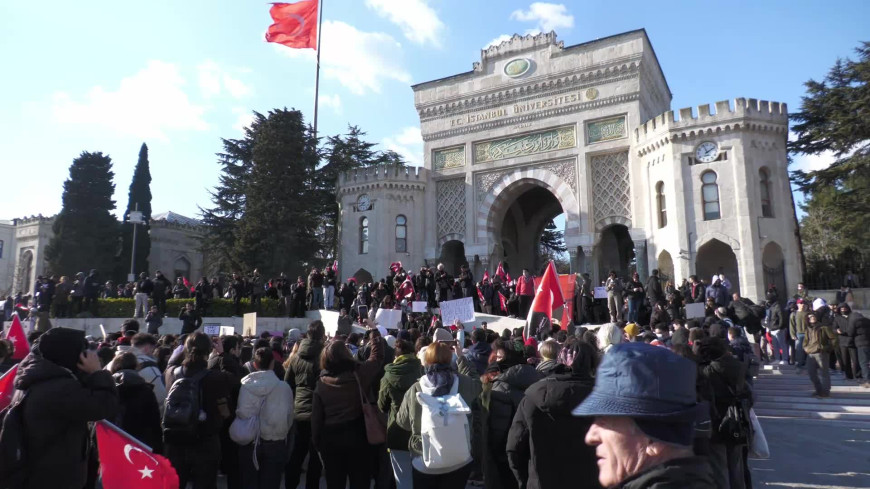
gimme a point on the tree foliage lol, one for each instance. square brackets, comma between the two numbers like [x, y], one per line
[85, 231]
[139, 194]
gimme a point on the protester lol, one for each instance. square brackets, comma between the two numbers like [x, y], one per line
[139, 414]
[399, 376]
[614, 289]
[142, 346]
[190, 319]
[644, 408]
[820, 342]
[153, 321]
[854, 343]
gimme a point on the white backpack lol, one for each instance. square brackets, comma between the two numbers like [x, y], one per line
[444, 429]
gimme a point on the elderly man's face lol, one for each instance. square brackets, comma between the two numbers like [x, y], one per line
[620, 447]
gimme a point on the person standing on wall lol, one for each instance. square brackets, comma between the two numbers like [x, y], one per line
[525, 292]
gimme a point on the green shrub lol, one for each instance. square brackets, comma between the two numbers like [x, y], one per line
[124, 308]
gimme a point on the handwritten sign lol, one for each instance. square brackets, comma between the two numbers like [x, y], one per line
[600, 293]
[461, 309]
[388, 318]
[695, 310]
[418, 306]
[227, 330]
[211, 329]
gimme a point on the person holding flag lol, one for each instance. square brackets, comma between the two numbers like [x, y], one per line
[548, 298]
[406, 289]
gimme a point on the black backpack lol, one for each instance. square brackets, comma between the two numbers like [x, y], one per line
[183, 410]
[735, 428]
[13, 456]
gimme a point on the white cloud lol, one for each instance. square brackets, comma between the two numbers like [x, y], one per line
[361, 61]
[809, 163]
[331, 101]
[146, 105]
[548, 16]
[498, 40]
[418, 21]
[244, 118]
[213, 79]
[409, 143]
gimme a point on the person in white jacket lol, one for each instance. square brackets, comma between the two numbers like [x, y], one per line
[266, 396]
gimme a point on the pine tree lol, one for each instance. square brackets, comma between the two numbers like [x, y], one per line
[139, 194]
[85, 231]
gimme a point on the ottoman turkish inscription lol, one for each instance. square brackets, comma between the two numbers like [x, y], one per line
[528, 144]
[605, 130]
[446, 158]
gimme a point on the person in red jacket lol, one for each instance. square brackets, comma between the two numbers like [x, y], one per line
[525, 292]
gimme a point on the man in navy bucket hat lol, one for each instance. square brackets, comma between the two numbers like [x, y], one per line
[645, 408]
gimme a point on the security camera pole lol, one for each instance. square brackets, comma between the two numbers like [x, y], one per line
[135, 218]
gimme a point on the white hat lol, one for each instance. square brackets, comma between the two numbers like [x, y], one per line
[391, 340]
[383, 331]
[819, 303]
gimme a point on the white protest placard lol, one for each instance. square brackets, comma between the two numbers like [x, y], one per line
[695, 310]
[418, 306]
[461, 309]
[600, 292]
[227, 330]
[388, 318]
[211, 329]
[103, 330]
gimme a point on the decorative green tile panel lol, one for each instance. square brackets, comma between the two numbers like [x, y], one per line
[605, 130]
[444, 159]
[528, 144]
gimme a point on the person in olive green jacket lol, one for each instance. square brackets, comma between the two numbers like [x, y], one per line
[797, 327]
[398, 377]
[820, 342]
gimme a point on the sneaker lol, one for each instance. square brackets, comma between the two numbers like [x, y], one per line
[866, 385]
[825, 395]
[782, 362]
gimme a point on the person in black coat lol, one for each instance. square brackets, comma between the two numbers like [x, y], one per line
[545, 446]
[190, 319]
[63, 388]
[91, 291]
[654, 292]
[139, 414]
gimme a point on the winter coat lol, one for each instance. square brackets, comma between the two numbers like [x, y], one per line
[410, 412]
[153, 322]
[302, 375]
[500, 403]
[139, 414]
[150, 373]
[774, 317]
[478, 354]
[813, 340]
[190, 321]
[234, 371]
[398, 377]
[265, 394]
[545, 446]
[797, 323]
[697, 292]
[654, 289]
[726, 376]
[215, 388]
[681, 473]
[344, 327]
[852, 331]
[57, 408]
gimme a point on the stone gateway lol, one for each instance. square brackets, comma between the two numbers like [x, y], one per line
[537, 129]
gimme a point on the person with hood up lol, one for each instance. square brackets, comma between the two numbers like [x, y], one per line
[609, 334]
[139, 414]
[266, 396]
[854, 342]
[545, 444]
[302, 373]
[439, 379]
[338, 429]
[398, 377]
[63, 388]
[479, 351]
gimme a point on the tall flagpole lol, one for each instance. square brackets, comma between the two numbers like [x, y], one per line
[317, 75]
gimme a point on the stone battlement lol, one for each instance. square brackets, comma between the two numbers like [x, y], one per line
[518, 43]
[758, 110]
[383, 173]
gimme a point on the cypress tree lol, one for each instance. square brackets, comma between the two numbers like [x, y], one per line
[140, 193]
[85, 231]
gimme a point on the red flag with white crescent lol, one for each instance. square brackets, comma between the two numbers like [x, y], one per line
[126, 462]
[499, 272]
[480, 295]
[295, 24]
[16, 335]
[405, 290]
[503, 301]
[7, 387]
[486, 275]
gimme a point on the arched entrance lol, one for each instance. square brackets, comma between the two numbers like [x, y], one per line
[716, 257]
[522, 227]
[615, 252]
[25, 272]
[452, 256]
[666, 267]
[774, 267]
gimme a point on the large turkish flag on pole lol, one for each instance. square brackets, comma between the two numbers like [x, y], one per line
[295, 24]
[7, 389]
[126, 462]
[18, 338]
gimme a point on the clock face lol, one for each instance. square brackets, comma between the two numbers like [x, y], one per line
[363, 203]
[706, 152]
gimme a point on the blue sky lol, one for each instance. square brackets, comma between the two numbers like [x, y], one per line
[179, 75]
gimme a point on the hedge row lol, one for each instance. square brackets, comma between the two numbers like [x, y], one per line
[124, 308]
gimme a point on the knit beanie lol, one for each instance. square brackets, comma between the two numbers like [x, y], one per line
[62, 346]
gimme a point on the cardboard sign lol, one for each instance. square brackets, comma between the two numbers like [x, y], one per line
[211, 329]
[600, 292]
[418, 306]
[388, 318]
[695, 310]
[228, 330]
[461, 309]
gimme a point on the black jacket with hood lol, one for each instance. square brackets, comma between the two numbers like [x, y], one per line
[302, 375]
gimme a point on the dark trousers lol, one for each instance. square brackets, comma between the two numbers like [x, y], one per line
[160, 302]
[196, 463]
[341, 465]
[90, 305]
[229, 456]
[76, 305]
[864, 361]
[849, 361]
[728, 464]
[271, 457]
[525, 304]
[301, 447]
[237, 305]
[450, 480]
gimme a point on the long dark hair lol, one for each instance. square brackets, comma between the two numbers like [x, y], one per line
[336, 358]
[197, 347]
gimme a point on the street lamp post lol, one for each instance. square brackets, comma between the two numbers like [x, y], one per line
[135, 218]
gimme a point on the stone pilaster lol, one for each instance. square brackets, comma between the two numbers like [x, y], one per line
[641, 258]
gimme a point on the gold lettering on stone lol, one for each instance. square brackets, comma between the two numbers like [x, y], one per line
[443, 159]
[605, 130]
[537, 142]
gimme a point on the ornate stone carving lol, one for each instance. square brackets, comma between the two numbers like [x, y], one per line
[527, 144]
[611, 192]
[565, 170]
[451, 206]
[605, 130]
[446, 158]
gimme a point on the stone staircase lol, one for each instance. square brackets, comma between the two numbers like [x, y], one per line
[782, 392]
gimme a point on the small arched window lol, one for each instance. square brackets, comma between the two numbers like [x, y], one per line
[661, 204]
[710, 196]
[364, 235]
[401, 234]
[766, 205]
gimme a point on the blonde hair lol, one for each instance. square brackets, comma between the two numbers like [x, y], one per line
[550, 349]
[438, 352]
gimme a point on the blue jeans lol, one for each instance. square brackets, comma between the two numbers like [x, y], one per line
[864, 359]
[633, 308]
[316, 298]
[780, 340]
[799, 353]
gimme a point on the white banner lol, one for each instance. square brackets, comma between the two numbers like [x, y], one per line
[212, 329]
[388, 318]
[461, 309]
[418, 306]
[600, 293]
[227, 330]
[695, 310]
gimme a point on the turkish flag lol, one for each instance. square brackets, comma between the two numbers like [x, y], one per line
[503, 301]
[395, 266]
[16, 335]
[485, 275]
[126, 462]
[499, 272]
[295, 24]
[480, 295]
[406, 290]
[7, 389]
[547, 297]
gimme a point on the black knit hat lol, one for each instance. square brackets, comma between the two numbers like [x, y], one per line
[62, 346]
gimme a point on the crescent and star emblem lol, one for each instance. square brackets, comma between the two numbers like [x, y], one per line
[146, 472]
[301, 24]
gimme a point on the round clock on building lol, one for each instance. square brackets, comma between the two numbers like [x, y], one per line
[363, 203]
[707, 152]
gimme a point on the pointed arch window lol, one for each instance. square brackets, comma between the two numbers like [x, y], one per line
[661, 204]
[364, 235]
[766, 204]
[401, 234]
[710, 196]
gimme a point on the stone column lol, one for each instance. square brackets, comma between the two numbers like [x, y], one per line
[573, 265]
[641, 258]
[587, 259]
